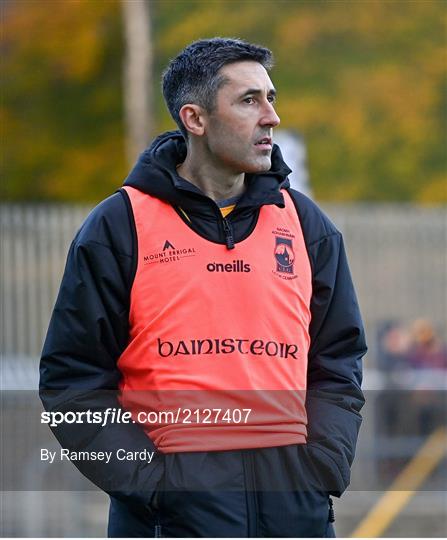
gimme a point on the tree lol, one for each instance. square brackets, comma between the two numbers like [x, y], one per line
[137, 78]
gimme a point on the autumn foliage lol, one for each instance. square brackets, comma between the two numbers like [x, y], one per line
[363, 82]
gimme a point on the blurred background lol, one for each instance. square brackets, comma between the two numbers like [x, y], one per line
[363, 106]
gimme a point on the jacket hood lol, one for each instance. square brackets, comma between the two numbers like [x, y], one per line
[155, 174]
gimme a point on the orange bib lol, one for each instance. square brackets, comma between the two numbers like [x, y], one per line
[213, 329]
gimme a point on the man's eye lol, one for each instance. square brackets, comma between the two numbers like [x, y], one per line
[272, 99]
[249, 100]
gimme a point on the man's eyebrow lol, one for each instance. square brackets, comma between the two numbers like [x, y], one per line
[257, 91]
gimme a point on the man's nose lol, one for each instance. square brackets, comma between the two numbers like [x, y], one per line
[269, 116]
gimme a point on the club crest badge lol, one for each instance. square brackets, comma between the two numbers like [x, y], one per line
[284, 255]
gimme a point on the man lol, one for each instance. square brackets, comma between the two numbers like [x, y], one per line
[207, 288]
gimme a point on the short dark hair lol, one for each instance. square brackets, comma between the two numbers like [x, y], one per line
[193, 76]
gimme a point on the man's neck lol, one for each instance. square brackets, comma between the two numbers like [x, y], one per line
[216, 183]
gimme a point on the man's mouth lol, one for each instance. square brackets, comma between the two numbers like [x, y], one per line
[265, 143]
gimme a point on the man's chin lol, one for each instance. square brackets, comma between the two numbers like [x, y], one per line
[259, 166]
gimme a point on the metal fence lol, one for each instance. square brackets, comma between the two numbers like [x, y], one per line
[35, 241]
[397, 255]
[398, 258]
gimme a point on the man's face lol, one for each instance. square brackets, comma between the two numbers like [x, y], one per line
[240, 128]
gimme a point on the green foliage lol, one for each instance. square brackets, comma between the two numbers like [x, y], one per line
[364, 82]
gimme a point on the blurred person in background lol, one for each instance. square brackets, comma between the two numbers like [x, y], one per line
[394, 343]
[426, 350]
[427, 356]
[414, 360]
[416, 346]
[207, 278]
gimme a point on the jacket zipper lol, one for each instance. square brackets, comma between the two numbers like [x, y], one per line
[250, 494]
[228, 231]
[331, 511]
[227, 228]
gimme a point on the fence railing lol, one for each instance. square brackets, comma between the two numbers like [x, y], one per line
[397, 256]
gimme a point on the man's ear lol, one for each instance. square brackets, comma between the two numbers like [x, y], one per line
[192, 117]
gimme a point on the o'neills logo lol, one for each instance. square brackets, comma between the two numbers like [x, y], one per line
[168, 254]
[256, 347]
[235, 266]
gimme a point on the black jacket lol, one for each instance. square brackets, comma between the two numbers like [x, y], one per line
[89, 331]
